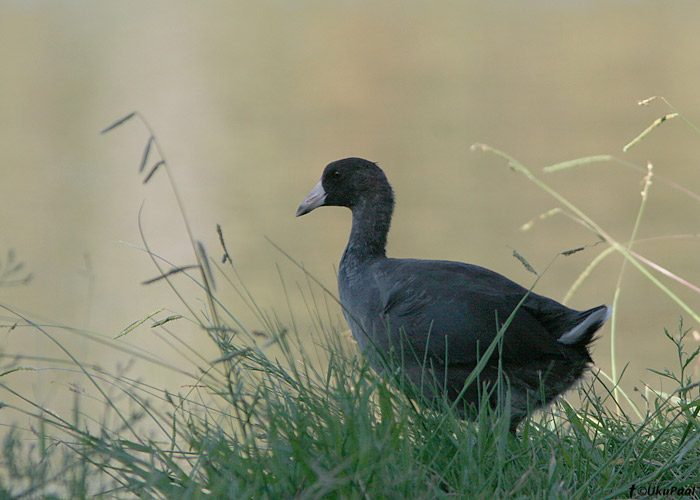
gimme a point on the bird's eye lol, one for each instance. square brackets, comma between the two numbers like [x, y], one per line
[336, 174]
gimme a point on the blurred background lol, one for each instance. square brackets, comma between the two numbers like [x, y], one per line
[250, 100]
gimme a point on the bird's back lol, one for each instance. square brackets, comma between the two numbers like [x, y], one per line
[443, 308]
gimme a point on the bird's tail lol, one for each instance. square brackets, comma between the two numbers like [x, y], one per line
[590, 322]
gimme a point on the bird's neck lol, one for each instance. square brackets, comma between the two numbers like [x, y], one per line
[370, 226]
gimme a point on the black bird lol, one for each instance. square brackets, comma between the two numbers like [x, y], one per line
[435, 317]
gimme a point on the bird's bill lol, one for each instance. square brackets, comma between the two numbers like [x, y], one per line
[315, 199]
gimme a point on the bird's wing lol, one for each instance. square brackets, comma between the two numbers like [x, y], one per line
[456, 311]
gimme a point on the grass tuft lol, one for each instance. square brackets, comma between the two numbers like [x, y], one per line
[267, 419]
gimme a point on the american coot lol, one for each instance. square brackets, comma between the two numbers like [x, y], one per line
[435, 317]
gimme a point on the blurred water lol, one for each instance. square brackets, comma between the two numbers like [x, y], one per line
[251, 99]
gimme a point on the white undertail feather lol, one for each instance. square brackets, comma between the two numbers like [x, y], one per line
[573, 335]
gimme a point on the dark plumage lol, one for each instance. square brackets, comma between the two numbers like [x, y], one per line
[436, 317]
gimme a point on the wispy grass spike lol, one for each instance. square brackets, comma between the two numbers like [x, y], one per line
[528, 225]
[118, 122]
[651, 127]
[146, 151]
[135, 324]
[645, 102]
[577, 162]
[166, 320]
[16, 369]
[153, 171]
[232, 354]
[169, 273]
[566, 253]
[524, 262]
[12, 267]
[226, 256]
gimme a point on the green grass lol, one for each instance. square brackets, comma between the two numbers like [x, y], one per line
[267, 419]
[281, 429]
